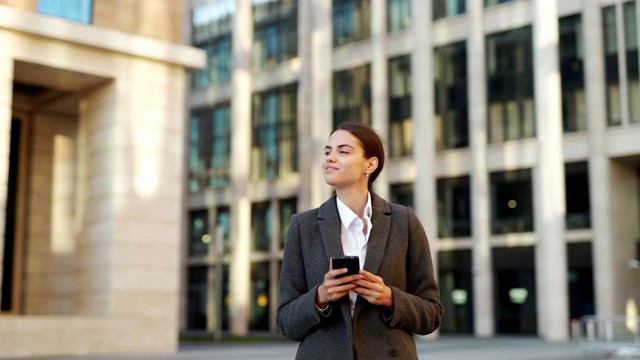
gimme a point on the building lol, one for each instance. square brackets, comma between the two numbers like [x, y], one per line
[91, 162]
[512, 128]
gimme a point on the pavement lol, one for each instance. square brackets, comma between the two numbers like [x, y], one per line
[444, 347]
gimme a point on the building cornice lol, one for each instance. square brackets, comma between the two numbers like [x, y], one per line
[101, 38]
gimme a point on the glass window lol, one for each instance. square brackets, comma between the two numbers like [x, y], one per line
[275, 33]
[581, 295]
[288, 207]
[511, 202]
[456, 291]
[488, 3]
[350, 21]
[510, 85]
[223, 220]
[259, 318]
[631, 43]
[197, 297]
[578, 206]
[614, 112]
[402, 194]
[450, 76]
[454, 207]
[448, 8]
[76, 10]
[261, 226]
[400, 122]
[352, 95]
[210, 148]
[274, 144]
[572, 74]
[398, 15]
[199, 237]
[211, 31]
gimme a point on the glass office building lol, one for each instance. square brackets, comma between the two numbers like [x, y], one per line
[511, 127]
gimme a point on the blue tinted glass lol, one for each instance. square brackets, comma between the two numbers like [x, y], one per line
[77, 10]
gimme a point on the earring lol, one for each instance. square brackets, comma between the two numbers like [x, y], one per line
[367, 174]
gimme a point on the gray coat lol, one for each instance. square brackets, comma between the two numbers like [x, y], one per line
[397, 250]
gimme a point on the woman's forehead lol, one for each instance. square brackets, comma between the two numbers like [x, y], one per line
[343, 137]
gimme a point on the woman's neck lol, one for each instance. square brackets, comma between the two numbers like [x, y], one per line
[355, 199]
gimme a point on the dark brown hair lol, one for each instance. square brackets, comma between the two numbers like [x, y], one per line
[371, 143]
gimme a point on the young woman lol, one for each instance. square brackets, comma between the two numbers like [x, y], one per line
[372, 314]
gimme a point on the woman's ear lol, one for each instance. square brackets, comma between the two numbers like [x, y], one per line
[372, 165]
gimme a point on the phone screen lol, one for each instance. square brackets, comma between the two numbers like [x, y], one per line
[352, 263]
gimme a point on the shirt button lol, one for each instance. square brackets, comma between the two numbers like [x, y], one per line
[393, 352]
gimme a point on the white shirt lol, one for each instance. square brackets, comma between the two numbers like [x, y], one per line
[354, 240]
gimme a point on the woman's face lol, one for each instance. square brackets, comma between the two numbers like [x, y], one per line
[344, 163]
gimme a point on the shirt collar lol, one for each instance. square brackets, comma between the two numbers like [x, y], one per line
[347, 215]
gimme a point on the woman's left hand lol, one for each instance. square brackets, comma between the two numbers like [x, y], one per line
[374, 290]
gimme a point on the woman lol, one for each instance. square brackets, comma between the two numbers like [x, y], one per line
[372, 314]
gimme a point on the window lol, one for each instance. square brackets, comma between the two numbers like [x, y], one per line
[454, 207]
[223, 220]
[288, 207]
[578, 206]
[510, 85]
[631, 43]
[199, 237]
[274, 121]
[76, 10]
[275, 35]
[211, 31]
[450, 76]
[398, 15]
[210, 148]
[448, 8]
[352, 95]
[400, 122]
[614, 111]
[402, 194]
[511, 202]
[488, 3]
[197, 290]
[261, 226]
[572, 74]
[259, 318]
[456, 291]
[350, 21]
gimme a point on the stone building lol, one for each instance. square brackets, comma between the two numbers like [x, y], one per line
[91, 170]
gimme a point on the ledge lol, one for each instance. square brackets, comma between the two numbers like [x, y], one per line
[101, 38]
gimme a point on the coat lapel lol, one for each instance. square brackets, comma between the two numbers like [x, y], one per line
[381, 225]
[329, 225]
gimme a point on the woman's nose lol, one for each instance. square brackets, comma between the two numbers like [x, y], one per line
[330, 157]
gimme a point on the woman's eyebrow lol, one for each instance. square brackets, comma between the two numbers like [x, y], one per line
[338, 147]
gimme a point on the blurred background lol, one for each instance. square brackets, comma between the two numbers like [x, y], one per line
[153, 152]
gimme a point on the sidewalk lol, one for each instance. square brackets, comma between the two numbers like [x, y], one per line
[448, 348]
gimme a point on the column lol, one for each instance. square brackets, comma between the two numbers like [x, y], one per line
[305, 144]
[424, 149]
[321, 92]
[599, 183]
[240, 268]
[481, 207]
[549, 201]
[379, 84]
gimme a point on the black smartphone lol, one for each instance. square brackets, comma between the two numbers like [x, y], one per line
[352, 263]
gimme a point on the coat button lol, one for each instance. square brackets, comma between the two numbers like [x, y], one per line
[393, 352]
[326, 328]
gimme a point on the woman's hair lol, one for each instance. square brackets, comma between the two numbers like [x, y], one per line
[371, 143]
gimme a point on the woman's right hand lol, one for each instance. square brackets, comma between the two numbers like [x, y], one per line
[333, 288]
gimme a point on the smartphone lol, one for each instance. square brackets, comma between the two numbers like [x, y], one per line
[352, 263]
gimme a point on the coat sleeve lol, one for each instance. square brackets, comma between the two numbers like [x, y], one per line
[296, 316]
[418, 308]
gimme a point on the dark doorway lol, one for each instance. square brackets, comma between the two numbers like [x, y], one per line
[515, 290]
[8, 264]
